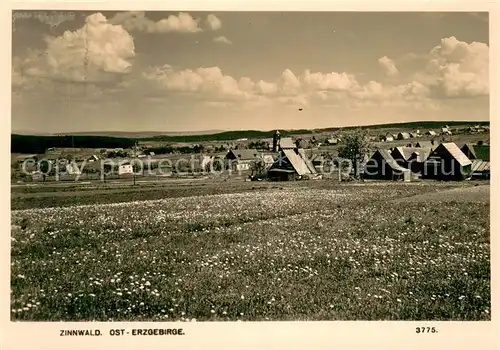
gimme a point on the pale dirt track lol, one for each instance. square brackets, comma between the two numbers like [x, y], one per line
[478, 193]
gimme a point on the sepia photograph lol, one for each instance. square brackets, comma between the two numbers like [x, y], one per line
[223, 166]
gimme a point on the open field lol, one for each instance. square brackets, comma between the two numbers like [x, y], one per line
[312, 250]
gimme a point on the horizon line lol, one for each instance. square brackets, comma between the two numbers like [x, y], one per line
[193, 132]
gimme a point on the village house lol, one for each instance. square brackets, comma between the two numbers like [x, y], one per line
[382, 166]
[447, 162]
[331, 141]
[446, 131]
[93, 158]
[73, 168]
[425, 144]
[403, 136]
[481, 152]
[206, 162]
[411, 158]
[291, 164]
[431, 133]
[241, 159]
[125, 169]
[387, 138]
[480, 169]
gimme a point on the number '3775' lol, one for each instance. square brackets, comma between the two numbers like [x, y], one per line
[426, 330]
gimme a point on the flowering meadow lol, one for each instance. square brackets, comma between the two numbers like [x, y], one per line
[345, 253]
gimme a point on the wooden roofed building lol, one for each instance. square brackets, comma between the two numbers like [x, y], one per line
[411, 158]
[383, 166]
[476, 151]
[241, 159]
[292, 163]
[447, 162]
[403, 135]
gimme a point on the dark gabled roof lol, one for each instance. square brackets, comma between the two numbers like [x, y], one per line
[421, 154]
[386, 155]
[424, 144]
[468, 148]
[406, 152]
[244, 154]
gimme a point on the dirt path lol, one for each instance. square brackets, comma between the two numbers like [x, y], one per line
[478, 193]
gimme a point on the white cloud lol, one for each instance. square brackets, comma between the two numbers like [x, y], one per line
[97, 52]
[210, 81]
[137, 21]
[329, 81]
[294, 101]
[388, 65]
[457, 69]
[222, 40]
[266, 88]
[213, 22]
[288, 83]
[309, 88]
[452, 69]
[246, 84]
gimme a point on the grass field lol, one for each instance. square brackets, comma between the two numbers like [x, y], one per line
[311, 251]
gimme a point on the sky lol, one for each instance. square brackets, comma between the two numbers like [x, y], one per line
[192, 71]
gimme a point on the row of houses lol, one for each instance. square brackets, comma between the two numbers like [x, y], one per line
[446, 161]
[403, 135]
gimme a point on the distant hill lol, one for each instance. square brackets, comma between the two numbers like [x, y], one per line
[410, 125]
[140, 134]
[39, 143]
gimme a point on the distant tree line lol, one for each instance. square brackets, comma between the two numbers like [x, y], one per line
[258, 145]
[410, 125]
[173, 149]
[224, 136]
[39, 144]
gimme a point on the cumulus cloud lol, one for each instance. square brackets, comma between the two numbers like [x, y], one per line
[329, 81]
[137, 21]
[266, 88]
[288, 88]
[210, 81]
[288, 83]
[222, 40]
[213, 22]
[457, 69]
[452, 69]
[388, 66]
[97, 52]
[391, 94]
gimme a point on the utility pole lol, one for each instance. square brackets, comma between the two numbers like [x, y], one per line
[134, 156]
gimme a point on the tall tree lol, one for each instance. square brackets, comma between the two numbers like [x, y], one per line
[355, 147]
